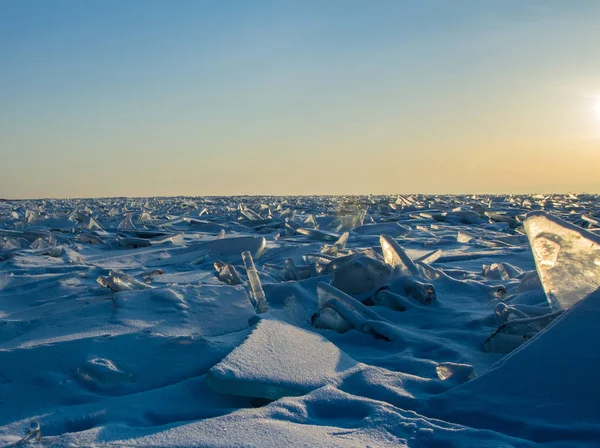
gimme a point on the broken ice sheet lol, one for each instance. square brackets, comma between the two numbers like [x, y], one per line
[567, 259]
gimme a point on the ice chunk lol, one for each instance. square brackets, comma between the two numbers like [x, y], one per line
[567, 258]
[89, 238]
[455, 372]
[279, 360]
[248, 213]
[146, 239]
[391, 300]
[34, 434]
[514, 332]
[291, 271]
[310, 222]
[413, 287]
[342, 240]
[103, 375]
[503, 271]
[360, 275]
[351, 312]
[118, 281]
[464, 237]
[257, 295]
[349, 219]
[227, 273]
[394, 255]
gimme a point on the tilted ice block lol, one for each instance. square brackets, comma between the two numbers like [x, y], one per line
[567, 258]
[394, 255]
[279, 360]
[256, 292]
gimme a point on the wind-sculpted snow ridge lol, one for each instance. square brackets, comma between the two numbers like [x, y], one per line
[331, 321]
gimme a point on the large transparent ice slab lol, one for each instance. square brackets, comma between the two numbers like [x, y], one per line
[567, 258]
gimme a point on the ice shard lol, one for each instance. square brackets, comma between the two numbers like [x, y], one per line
[567, 258]
[257, 295]
[227, 273]
[394, 255]
[126, 224]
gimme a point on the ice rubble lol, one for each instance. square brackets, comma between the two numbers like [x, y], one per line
[191, 339]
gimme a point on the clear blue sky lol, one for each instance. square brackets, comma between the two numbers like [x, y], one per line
[116, 98]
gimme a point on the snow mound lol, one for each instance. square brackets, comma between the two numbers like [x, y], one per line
[279, 360]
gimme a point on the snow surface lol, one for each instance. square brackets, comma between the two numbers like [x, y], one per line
[411, 321]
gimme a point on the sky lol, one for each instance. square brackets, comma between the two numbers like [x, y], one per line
[221, 97]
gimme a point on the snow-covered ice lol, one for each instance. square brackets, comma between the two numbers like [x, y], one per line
[404, 321]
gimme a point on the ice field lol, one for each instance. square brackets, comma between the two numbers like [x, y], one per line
[359, 321]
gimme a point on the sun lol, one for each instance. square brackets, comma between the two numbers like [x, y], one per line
[597, 108]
